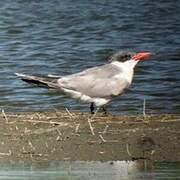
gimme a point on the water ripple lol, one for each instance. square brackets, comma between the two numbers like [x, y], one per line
[64, 37]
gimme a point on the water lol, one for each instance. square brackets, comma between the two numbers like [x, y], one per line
[64, 37]
[91, 170]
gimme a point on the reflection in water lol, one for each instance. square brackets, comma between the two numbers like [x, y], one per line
[147, 146]
[116, 170]
[76, 170]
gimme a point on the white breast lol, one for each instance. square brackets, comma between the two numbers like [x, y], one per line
[127, 70]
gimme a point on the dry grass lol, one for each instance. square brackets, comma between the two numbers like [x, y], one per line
[69, 135]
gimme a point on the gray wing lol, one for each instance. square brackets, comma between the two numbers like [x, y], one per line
[96, 82]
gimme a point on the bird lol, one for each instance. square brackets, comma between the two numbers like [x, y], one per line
[97, 85]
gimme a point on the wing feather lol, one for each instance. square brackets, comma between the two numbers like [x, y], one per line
[100, 81]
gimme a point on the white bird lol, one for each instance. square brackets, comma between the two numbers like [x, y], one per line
[97, 85]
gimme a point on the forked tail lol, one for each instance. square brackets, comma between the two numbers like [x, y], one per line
[47, 81]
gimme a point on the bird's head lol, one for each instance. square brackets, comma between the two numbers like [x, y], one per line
[123, 56]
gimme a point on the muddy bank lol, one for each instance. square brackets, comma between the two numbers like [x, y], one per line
[55, 136]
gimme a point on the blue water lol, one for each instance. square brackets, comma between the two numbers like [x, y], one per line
[64, 37]
[117, 170]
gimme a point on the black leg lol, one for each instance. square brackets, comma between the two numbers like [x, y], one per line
[92, 108]
[104, 110]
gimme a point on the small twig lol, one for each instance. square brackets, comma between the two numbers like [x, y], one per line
[6, 154]
[26, 130]
[69, 113]
[152, 152]
[3, 113]
[127, 149]
[102, 138]
[144, 107]
[23, 149]
[105, 129]
[90, 126]
[59, 132]
[30, 144]
[39, 121]
[46, 144]
[38, 115]
[60, 136]
[42, 131]
[77, 128]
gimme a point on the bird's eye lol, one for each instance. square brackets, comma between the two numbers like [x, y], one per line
[124, 57]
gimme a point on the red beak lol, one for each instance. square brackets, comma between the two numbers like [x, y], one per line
[141, 56]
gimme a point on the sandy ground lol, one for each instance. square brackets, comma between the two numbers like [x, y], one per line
[55, 136]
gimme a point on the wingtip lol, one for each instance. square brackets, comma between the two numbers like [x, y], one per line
[20, 74]
[17, 74]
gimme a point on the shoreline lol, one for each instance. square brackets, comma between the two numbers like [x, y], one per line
[58, 136]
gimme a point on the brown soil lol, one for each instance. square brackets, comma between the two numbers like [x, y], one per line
[55, 136]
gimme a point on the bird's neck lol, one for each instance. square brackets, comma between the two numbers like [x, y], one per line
[127, 67]
[130, 64]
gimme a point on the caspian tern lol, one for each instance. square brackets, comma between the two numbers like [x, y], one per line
[97, 85]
